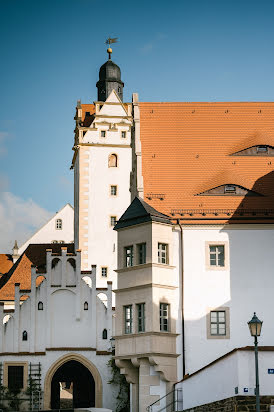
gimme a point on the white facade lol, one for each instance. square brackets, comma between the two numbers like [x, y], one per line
[52, 232]
[64, 320]
[95, 203]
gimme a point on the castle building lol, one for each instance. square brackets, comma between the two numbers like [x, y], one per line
[188, 190]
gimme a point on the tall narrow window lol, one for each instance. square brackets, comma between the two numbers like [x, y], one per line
[40, 306]
[141, 253]
[25, 335]
[123, 134]
[218, 322]
[164, 317]
[112, 160]
[105, 334]
[103, 133]
[104, 272]
[141, 317]
[113, 220]
[58, 224]
[128, 256]
[217, 255]
[162, 253]
[86, 306]
[113, 190]
[15, 377]
[128, 319]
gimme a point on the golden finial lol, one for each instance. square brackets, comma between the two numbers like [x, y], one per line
[109, 41]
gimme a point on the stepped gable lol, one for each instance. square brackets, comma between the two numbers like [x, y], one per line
[186, 147]
[35, 254]
[6, 263]
[140, 212]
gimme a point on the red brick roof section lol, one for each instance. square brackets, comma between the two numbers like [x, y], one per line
[187, 148]
[6, 263]
[21, 270]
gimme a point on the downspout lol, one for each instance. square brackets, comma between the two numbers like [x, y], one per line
[182, 293]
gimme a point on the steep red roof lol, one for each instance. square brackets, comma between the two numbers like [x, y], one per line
[6, 263]
[187, 148]
[35, 254]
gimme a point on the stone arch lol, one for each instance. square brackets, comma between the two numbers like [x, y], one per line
[84, 361]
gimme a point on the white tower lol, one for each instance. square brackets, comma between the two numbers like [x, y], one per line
[102, 164]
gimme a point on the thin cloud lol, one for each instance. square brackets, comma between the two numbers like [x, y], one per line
[148, 47]
[19, 219]
[3, 137]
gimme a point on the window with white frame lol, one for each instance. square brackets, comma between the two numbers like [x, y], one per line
[113, 190]
[141, 317]
[128, 256]
[128, 318]
[162, 253]
[217, 255]
[141, 253]
[164, 317]
[58, 224]
[123, 134]
[104, 272]
[217, 323]
[113, 220]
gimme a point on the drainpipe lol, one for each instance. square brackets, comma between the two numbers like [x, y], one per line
[182, 291]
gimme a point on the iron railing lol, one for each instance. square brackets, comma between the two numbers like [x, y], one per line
[172, 402]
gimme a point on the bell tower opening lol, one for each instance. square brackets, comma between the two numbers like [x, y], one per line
[72, 386]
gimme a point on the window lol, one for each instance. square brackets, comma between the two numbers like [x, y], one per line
[128, 318]
[112, 160]
[230, 189]
[217, 255]
[162, 253]
[123, 134]
[15, 377]
[40, 306]
[164, 315]
[104, 272]
[86, 306]
[141, 253]
[218, 323]
[105, 334]
[141, 317]
[58, 224]
[113, 220]
[128, 256]
[25, 335]
[113, 190]
[119, 89]
[262, 149]
[103, 133]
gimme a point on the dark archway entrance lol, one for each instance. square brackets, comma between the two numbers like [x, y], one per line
[72, 386]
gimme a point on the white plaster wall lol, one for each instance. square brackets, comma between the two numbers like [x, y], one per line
[219, 380]
[48, 232]
[246, 286]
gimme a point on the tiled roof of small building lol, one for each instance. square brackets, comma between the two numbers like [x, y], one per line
[35, 254]
[187, 148]
[6, 263]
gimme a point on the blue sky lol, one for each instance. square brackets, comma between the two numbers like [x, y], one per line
[51, 52]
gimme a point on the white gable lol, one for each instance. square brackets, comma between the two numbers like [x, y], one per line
[115, 109]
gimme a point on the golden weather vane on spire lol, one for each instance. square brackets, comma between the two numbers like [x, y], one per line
[109, 41]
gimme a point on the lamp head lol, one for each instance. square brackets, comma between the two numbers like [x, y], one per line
[255, 326]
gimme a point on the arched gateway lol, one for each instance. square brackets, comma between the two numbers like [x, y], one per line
[72, 382]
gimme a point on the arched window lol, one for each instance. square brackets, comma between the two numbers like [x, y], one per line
[105, 334]
[86, 306]
[40, 306]
[58, 224]
[112, 160]
[25, 335]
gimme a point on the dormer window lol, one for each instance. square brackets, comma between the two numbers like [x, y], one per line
[262, 149]
[230, 189]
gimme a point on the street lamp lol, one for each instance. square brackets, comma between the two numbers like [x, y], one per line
[255, 327]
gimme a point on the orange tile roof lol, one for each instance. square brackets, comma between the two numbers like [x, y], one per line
[6, 263]
[35, 254]
[186, 150]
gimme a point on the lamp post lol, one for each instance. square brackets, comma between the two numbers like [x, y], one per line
[255, 327]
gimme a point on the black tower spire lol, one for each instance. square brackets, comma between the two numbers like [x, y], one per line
[109, 79]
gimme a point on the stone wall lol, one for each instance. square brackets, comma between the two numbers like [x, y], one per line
[235, 404]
